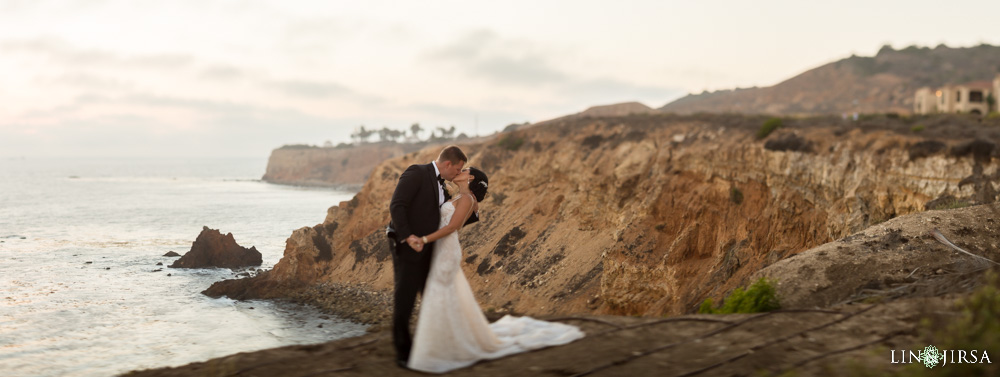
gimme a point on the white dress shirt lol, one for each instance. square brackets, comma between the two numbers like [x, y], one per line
[440, 187]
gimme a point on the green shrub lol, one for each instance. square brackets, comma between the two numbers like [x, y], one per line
[759, 297]
[917, 128]
[769, 126]
[735, 195]
[993, 115]
[957, 204]
[511, 142]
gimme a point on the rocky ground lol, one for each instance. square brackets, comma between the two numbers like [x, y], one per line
[846, 305]
[836, 341]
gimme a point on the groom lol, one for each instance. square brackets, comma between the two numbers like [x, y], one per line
[414, 210]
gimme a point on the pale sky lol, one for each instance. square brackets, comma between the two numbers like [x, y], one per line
[142, 78]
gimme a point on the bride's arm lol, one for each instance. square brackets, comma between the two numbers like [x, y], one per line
[463, 205]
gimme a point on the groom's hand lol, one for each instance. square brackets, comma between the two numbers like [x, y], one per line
[415, 243]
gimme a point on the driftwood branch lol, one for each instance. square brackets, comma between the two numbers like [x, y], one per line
[601, 321]
[941, 238]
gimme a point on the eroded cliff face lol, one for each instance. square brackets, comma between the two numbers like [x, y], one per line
[645, 214]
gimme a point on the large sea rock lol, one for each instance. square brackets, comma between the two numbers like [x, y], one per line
[212, 249]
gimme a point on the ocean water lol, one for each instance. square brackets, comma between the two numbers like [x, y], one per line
[81, 293]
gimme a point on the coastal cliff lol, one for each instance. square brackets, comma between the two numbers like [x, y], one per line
[344, 166]
[646, 214]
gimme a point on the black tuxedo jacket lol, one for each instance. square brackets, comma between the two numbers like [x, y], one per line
[415, 210]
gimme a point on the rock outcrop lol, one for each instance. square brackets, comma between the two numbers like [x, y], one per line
[897, 258]
[212, 249]
[644, 214]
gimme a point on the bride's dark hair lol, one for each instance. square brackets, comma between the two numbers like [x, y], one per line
[479, 184]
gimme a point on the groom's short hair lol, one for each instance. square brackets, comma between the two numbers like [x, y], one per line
[452, 153]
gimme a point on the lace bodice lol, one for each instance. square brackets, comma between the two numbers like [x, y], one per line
[448, 210]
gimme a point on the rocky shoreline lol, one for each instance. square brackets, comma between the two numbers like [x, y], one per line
[351, 302]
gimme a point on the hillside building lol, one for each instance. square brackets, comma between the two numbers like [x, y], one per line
[996, 93]
[970, 98]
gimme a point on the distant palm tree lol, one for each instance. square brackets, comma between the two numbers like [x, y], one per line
[416, 129]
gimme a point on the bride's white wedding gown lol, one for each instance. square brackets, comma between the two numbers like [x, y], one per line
[452, 331]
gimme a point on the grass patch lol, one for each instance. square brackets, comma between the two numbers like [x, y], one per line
[759, 297]
[949, 203]
[957, 204]
[511, 142]
[917, 128]
[769, 126]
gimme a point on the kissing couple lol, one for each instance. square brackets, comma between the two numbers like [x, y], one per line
[452, 332]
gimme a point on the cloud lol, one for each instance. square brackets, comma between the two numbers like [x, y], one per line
[12, 6]
[222, 72]
[484, 54]
[318, 28]
[67, 54]
[605, 90]
[469, 47]
[129, 102]
[469, 120]
[526, 70]
[311, 89]
[133, 125]
[88, 81]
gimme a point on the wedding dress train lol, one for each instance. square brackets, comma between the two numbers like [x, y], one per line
[452, 331]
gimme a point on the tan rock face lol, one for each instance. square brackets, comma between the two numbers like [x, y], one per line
[637, 215]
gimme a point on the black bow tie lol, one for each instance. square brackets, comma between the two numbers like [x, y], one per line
[441, 181]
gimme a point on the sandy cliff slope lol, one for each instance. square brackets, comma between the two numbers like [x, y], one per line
[638, 215]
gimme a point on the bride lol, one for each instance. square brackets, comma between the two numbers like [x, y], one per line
[452, 331]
